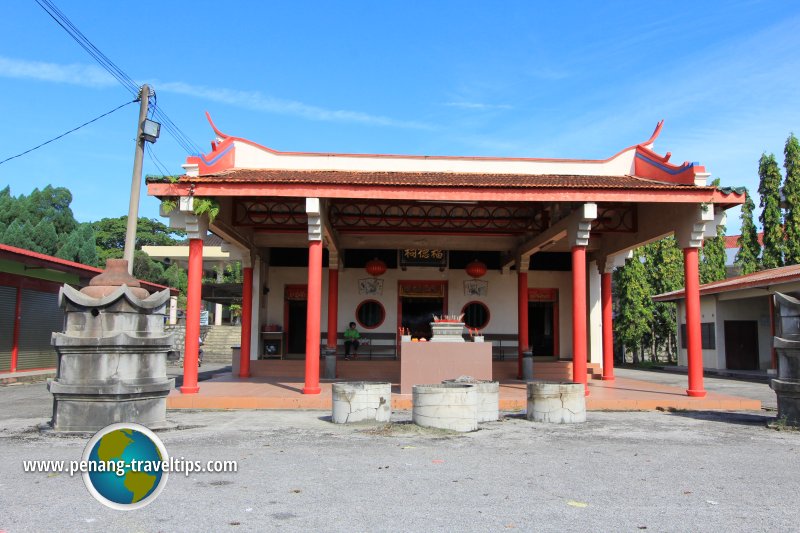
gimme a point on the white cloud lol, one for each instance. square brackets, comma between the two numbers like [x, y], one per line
[477, 105]
[73, 74]
[258, 101]
[94, 76]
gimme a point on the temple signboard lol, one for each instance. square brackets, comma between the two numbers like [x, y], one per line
[425, 257]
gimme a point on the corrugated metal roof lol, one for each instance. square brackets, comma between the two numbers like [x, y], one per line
[763, 278]
[63, 265]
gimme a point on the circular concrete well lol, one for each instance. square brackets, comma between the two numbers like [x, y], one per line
[556, 402]
[446, 406]
[359, 401]
[488, 397]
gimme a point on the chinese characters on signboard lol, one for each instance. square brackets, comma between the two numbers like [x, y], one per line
[423, 257]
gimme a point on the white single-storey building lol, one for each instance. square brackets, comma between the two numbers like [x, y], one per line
[737, 319]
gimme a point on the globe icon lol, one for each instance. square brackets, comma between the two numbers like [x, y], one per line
[124, 463]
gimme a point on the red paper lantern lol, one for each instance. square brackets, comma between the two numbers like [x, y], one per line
[376, 267]
[476, 269]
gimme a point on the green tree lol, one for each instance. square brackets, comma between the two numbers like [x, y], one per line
[147, 269]
[749, 249]
[6, 203]
[634, 312]
[712, 263]
[79, 246]
[44, 237]
[176, 277]
[664, 268]
[769, 188]
[19, 234]
[44, 216]
[110, 235]
[52, 203]
[791, 192]
[144, 267]
[232, 273]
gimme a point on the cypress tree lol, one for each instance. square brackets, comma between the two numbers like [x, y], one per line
[6, 202]
[70, 249]
[634, 311]
[45, 238]
[87, 253]
[19, 234]
[791, 191]
[749, 249]
[712, 264]
[664, 265]
[79, 246]
[769, 188]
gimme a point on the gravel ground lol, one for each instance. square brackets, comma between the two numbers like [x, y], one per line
[621, 471]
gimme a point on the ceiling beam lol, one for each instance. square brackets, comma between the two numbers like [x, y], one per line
[549, 237]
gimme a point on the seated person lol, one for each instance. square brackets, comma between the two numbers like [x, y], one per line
[351, 336]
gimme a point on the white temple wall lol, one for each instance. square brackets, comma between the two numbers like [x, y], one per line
[501, 297]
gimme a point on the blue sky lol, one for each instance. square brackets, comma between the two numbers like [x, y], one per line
[537, 79]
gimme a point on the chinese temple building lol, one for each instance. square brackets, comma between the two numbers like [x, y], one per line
[523, 247]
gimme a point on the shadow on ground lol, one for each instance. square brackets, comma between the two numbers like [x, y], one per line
[742, 419]
[203, 375]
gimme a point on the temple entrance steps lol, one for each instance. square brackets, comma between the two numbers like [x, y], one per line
[545, 370]
[390, 370]
[217, 343]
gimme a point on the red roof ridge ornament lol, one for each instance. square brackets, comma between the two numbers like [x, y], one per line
[656, 132]
[221, 135]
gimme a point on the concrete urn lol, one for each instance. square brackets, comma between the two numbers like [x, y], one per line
[112, 355]
[787, 346]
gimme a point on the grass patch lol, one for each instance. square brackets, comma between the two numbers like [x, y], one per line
[782, 424]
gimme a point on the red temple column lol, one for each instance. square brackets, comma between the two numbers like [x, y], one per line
[247, 321]
[608, 326]
[313, 317]
[694, 346]
[522, 314]
[579, 316]
[333, 306]
[193, 297]
[15, 334]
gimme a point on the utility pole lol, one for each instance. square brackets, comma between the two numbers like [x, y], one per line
[136, 181]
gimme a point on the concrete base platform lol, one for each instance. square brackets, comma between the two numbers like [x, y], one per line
[26, 376]
[623, 394]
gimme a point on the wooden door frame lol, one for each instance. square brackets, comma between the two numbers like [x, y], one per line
[286, 299]
[404, 282]
[542, 294]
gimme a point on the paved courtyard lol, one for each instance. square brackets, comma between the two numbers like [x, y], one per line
[621, 471]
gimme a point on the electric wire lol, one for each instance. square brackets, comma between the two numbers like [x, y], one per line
[126, 81]
[62, 20]
[67, 132]
[156, 161]
[183, 139]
